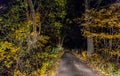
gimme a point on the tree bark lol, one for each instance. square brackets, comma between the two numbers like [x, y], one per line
[90, 45]
[33, 17]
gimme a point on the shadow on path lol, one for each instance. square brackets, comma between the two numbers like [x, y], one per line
[71, 66]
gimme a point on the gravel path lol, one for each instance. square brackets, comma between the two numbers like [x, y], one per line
[71, 66]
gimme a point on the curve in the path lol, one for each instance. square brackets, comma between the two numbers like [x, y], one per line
[71, 66]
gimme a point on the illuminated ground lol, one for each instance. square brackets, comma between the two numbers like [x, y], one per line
[71, 66]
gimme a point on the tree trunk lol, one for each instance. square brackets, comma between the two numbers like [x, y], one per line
[90, 45]
[33, 17]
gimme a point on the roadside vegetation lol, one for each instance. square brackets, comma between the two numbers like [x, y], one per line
[34, 34]
[104, 29]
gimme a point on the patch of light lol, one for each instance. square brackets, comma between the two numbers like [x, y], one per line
[82, 68]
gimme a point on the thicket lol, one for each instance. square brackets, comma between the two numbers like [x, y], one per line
[104, 27]
[28, 47]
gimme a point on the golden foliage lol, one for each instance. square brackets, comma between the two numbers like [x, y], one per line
[103, 17]
[101, 35]
[29, 22]
[7, 53]
[44, 68]
[21, 32]
[7, 47]
[111, 52]
[42, 40]
[17, 73]
[37, 17]
[84, 54]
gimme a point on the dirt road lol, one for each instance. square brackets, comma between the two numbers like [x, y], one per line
[71, 66]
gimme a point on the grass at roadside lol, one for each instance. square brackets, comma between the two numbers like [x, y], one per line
[48, 67]
[97, 63]
[54, 66]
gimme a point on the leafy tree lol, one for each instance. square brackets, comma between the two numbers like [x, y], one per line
[27, 49]
[53, 13]
[104, 28]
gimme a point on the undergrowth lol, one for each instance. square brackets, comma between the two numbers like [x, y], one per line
[99, 64]
[38, 64]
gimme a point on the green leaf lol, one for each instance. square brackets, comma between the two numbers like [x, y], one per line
[1, 19]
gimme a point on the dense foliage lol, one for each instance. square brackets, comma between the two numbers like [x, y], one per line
[104, 27]
[32, 34]
[25, 45]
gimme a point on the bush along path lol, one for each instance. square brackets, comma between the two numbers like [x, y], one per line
[70, 65]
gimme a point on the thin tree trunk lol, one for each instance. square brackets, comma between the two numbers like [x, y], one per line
[90, 45]
[32, 12]
[60, 43]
